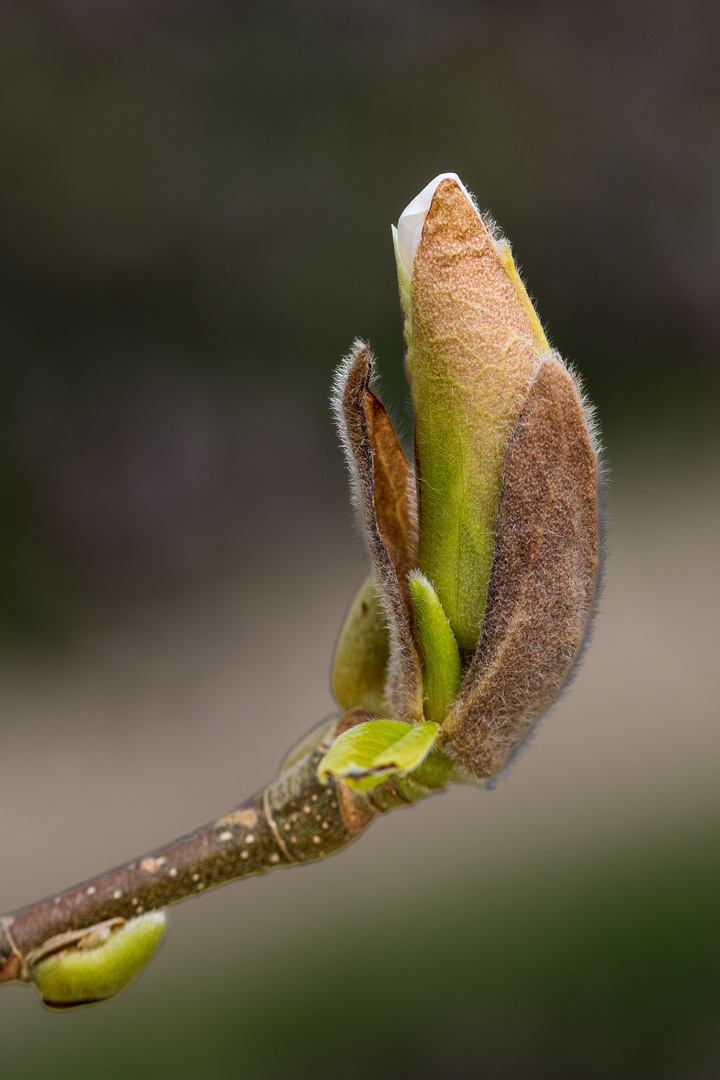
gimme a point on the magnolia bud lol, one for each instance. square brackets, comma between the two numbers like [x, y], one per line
[486, 560]
[474, 346]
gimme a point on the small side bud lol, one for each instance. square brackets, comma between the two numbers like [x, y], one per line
[98, 963]
[362, 655]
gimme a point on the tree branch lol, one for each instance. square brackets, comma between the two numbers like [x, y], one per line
[295, 819]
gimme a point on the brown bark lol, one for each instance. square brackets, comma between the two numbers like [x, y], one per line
[294, 820]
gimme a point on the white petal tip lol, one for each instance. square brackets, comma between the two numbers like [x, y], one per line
[412, 219]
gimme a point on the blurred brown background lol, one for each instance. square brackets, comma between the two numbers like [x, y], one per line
[195, 202]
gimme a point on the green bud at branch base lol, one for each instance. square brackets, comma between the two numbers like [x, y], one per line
[97, 963]
[484, 553]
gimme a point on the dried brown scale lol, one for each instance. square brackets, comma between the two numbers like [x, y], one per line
[404, 690]
[13, 966]
[543, 579]
[393, 492]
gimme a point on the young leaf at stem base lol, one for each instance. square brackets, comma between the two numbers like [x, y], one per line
[365, 755]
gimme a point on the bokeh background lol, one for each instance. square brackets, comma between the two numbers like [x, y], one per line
[195, 199]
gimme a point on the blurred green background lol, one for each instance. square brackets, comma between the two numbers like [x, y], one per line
[195, 200]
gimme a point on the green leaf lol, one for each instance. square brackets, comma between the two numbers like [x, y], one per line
[365, 755]
[440, 656]
[411, 750]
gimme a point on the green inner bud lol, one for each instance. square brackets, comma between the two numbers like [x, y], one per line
[362, 654]
[101, 964]
[440, 657]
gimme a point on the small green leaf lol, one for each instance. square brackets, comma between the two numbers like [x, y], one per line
[100, 964]
[366, 754]
[440, 657]
[411, 750]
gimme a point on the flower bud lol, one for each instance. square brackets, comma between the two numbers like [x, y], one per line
[486, 559]
[474, 346]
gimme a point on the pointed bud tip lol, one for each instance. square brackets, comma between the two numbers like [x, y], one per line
[412, 219]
